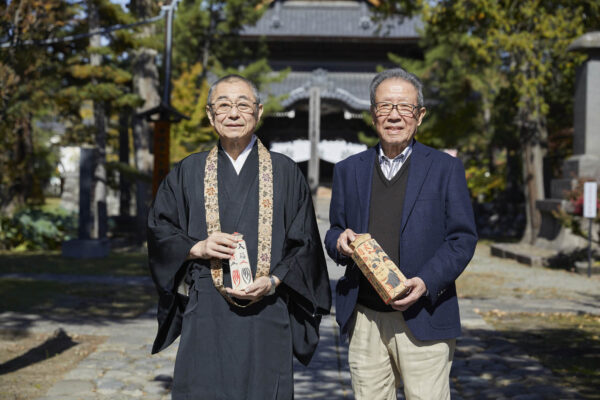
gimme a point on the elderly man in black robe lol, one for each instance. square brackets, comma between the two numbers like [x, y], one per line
[236, 344]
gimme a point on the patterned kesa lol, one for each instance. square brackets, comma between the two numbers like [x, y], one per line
[265, 215]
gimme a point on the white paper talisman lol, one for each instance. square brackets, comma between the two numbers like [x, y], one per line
[239, 265]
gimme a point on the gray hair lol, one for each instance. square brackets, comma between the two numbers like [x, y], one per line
[234, 77]
[397, 73]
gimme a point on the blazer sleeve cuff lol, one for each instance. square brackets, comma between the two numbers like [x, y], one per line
[433, 292]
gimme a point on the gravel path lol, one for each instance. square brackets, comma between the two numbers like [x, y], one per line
[521, 288]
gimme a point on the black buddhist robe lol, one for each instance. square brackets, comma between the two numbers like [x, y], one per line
[226, 352]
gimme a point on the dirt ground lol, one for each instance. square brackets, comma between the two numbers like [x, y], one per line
[30, 363]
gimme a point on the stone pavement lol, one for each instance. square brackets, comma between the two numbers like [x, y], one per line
[486, 366]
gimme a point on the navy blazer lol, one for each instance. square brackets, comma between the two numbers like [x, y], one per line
[437, 235]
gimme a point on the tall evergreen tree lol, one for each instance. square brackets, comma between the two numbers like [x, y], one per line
[146, 85]
[513, 55]
[29, 79]
[98, 76]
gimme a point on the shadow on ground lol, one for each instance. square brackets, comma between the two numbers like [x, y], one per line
[509, 360]
[28, 303]
[54, 345]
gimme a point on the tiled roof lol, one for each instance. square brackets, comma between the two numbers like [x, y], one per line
[351, 88]
[332, 19]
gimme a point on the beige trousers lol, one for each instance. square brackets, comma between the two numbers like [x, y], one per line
[383, 354]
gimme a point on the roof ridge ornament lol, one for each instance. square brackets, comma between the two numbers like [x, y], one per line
[319, 77]
[364, 22]
[275, 19]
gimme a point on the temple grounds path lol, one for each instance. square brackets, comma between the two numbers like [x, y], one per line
[517, 321]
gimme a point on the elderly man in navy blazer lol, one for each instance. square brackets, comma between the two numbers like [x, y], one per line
[414, 201]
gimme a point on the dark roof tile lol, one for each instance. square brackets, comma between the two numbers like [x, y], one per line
[343, 19]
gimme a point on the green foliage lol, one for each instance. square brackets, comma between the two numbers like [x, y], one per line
[208, 32]
[497, 73]
[29, 79]
[54, 82]
[206, 41]
[109, 83]
[483, 184]
[34, 229]
[189, 97]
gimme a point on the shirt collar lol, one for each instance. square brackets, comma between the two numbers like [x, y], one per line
[239, 162]
[401, 157]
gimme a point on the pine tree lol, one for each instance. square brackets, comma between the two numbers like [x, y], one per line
[29, 79]
[146, 86]
[99, 79]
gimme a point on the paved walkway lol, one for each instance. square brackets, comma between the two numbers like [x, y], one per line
[486, 366]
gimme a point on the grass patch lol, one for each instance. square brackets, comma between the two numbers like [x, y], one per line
[75, 301]
[117, 264]
[52, 204]
[566, 343]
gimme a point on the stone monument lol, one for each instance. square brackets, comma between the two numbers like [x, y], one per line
[85, 246]
[585, 162]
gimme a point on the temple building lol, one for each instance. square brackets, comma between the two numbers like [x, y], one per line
[333, 49]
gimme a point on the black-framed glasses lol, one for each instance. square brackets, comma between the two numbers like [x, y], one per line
[404, 109]
[225, 106]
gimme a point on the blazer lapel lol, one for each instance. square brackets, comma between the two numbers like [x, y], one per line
[419, 167]
[364, 177]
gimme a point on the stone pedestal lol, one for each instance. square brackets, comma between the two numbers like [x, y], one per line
[582, 165]
[86, 248]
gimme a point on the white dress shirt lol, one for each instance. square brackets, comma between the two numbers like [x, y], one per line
[390, 167]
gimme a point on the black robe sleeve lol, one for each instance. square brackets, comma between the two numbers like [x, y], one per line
[168, 248]
[303, 269]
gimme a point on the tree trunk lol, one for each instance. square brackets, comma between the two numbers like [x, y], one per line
[99, 190]
[124, 185]
[20, 167]
[488, 129]
[533, 180]
[145, 85]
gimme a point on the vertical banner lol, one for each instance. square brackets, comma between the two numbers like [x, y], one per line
[590, 203]
[162, 131]
[590, 190]
[314, 135]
